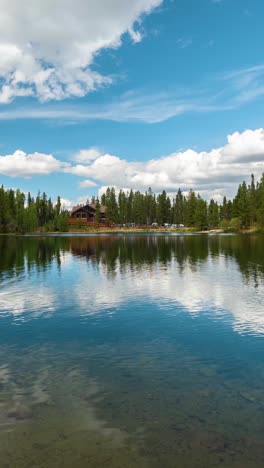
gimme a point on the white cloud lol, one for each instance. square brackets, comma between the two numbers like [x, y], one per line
[66, 204]
[211, 173]
[87, 183]
[105, 167]
[218, 93]
[20, 164]
[86, 155]
[128, 108]
[245, 85]
[47, 49]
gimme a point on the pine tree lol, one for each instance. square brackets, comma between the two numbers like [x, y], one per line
[178, 208]
[200, 215]
[57, 207]
[20, 205]
[213, 214]
[161, 207]
[190, 209]
[252, 200]
[243, 204]
[97, 211]
[245, 209]
[111, 205]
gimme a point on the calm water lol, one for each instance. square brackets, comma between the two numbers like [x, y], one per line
[132, 351]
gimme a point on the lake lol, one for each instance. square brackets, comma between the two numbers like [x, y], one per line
[131, 351]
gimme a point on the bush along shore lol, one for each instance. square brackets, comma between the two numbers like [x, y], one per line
[136, 211]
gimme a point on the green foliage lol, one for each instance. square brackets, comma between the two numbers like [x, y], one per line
[111, 205]
[235, 224]
[224, 224]
[163, 208]
[97, 211]
[19, 213]
[178, 208]
[61, 223]
[50, 226]
[25, 214]
[200, 217]
[213, 214]
[30, 218]
[192, 211]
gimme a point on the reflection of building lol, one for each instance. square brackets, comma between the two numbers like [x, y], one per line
[93, 247]
[87, 214]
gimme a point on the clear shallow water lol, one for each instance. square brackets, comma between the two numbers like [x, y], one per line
[135, 351]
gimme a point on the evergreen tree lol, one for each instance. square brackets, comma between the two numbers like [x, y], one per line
[260, 201]
[20, 206]
[103, 199]
[150, 207]
[130, 206]
[122, 206]
[111, 205]
[163, 208]
[178, 208]
[252, 200]
[213, 214]
[57, 207]
[15, 214]
[97, 211]
[200, 215]
[190, 209]
[246, 209]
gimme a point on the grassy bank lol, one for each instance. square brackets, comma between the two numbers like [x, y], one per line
[93, 230]
[134, 230]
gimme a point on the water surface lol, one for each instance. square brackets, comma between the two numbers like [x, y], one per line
[132, 351]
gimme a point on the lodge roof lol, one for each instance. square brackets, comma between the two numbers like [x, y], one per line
[87, 206]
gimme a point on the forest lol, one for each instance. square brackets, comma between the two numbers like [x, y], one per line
[20, 213]
[191, 210]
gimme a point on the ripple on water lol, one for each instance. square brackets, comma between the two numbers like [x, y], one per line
[151, 354]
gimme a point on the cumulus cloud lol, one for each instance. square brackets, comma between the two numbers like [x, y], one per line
[86, 155]
[20, 164]
[47, 49]
[66, 204]
[212, 173]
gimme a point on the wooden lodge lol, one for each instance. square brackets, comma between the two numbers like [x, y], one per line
[87, 214]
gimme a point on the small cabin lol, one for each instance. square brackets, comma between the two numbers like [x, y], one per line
[87, 213]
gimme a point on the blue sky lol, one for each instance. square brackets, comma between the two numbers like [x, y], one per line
[149, 92]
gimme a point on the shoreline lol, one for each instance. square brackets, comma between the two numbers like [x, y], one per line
[95, 231]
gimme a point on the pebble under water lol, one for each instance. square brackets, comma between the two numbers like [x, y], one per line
[132, 351]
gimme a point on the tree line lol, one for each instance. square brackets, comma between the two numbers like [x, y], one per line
[24, 214]
[19, 213]
[191, 210]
